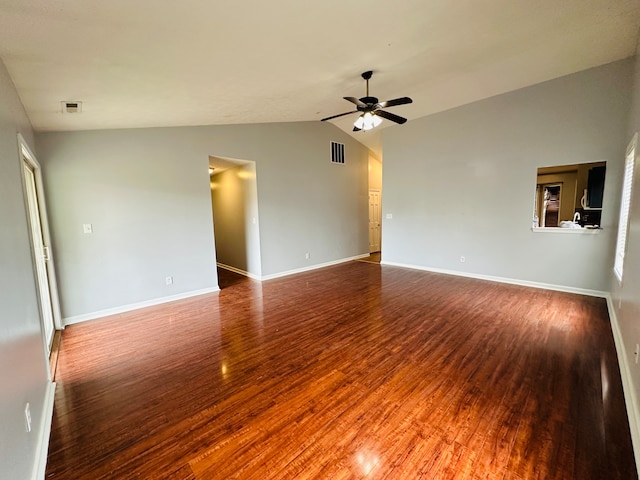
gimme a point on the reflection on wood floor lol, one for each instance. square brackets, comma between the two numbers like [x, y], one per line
[352, 371]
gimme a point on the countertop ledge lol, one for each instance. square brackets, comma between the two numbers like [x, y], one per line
[572, 231]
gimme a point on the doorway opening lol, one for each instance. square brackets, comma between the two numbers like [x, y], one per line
[375, 209]
[375, 221]
[549, 204]
[234, 201]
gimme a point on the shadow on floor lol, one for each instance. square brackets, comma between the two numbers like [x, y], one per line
[227, 278]
[372, 258]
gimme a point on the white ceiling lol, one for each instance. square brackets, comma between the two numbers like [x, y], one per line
[199, 62]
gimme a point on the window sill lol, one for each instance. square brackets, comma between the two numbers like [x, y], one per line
[571, 231]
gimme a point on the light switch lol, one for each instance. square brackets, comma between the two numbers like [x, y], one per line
[389, 215]
[87, 228]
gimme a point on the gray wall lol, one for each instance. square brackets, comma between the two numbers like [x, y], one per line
[457, 183]
[234, 198]
[626, 297]
[23, 367]
[462, 182]
[148, 204]
[147, 194]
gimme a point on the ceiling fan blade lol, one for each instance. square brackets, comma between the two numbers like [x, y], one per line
[391, 116]
[355, 101]
[339, 115]
[395, 101]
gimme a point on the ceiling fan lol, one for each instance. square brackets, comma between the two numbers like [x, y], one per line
[372, 109]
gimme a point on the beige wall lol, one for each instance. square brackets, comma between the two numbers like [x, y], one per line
[567, 193]
[234, 198]
[375, 173]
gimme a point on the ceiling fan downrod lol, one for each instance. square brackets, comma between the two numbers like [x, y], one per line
[367, 75]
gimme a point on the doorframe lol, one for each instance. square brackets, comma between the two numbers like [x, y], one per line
[26, 155]
[379, 192]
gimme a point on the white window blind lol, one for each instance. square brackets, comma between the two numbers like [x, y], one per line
[623, 225]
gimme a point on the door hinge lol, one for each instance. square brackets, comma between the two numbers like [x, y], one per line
[45, 253]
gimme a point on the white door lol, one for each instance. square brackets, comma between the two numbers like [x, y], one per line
[375, 218]
[40, 251]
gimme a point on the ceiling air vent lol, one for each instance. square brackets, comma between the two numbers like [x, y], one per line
[71, 107]
[337, 152]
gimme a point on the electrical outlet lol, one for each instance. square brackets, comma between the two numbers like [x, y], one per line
[87, 228]
[27, 417]
[307, 255]
[168, 280]
[462, 259]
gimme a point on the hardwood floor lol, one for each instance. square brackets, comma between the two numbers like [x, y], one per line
[53, 355]
[350, 372]
[374, 257]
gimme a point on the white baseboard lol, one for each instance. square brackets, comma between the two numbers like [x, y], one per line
[630, 398]
[157, 301]
[39, 469]
[238, 271]
[313, 267]
[136, 306]
[511, 281]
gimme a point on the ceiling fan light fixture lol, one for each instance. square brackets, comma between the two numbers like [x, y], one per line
[370, 109]
[367, 121]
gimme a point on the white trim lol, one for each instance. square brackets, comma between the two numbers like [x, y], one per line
[625, 207]
[238, 271]
[583, 231]
[313, 267]
[42, 449]
[512, 281]
[157, 301]
[136, 306]
[27, 154]
[630, 398]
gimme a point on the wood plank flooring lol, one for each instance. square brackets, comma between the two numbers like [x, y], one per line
[356, 371]
[374, 257]
[53, 355]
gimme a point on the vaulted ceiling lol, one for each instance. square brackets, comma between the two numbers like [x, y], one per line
[195, 62]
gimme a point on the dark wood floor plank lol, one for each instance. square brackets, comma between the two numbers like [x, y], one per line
[353, 371]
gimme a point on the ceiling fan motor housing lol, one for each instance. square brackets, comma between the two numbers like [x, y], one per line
[370, 101]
